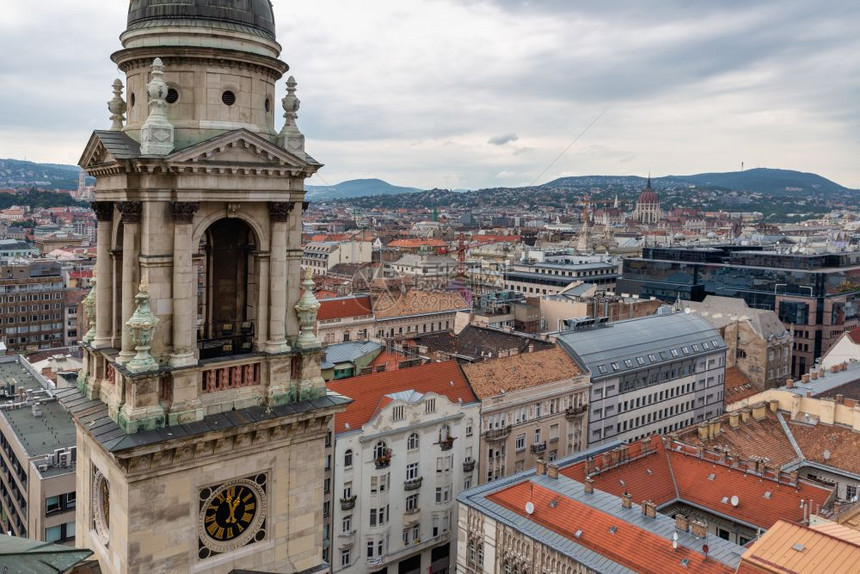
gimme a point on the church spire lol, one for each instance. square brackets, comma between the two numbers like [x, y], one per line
[648, 185]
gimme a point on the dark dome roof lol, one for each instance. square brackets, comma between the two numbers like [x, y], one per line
[648, 196]
[249, 15]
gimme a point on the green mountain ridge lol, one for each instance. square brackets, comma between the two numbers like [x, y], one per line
[355, 188]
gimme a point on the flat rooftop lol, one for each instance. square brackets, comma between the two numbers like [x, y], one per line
[39, 435]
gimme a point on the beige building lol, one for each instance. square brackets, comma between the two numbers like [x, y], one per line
[533, 405]
[416, 312]
[200, 411]
[321, 256]
[38, 457]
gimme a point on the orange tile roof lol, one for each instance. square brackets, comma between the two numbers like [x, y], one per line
[630, 545]
[737, 386]
[692, 476]
[389, 305]
[368, 390]
[344, 307]
[415, 243]
[843, 444]
[819, 552]
[647, 477]
[521, 371]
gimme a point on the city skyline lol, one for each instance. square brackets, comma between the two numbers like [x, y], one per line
[484, 94]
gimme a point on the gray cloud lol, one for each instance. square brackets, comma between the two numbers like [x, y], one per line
[503, 139]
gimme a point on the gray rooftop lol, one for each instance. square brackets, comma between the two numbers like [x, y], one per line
[830, 384]
[248, 15]
[721, 550]
[39, 435]
[633, 344]
[348, 352]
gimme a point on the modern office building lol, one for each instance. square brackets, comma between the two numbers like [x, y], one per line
[38, 457]
[649, 375]
[32, 306]
[815, 296]
[555, 274]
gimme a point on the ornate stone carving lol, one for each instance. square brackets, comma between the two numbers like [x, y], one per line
[117, 107]
[90, 309]
[184, 211]
[142, 326]
[306, 309]
[131, 211]
[156, 134]
[233, 209]
[103, 210]
[280, 210]
[290, 138]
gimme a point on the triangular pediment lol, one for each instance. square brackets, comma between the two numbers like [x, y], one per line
[107, 148]
[240, 147]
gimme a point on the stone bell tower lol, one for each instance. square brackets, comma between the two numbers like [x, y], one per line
[200, 409]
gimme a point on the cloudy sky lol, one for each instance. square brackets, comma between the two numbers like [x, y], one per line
[480, 93]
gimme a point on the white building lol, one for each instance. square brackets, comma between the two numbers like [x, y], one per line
[402, 452]
[320, 256]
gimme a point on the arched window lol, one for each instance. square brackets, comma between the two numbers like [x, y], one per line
[444, 433]
[412, 443]
[380, 449]
[347, 458]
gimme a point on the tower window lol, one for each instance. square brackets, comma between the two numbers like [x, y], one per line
[172, 96]
[131, 100]
[268, 104]
[228, 97]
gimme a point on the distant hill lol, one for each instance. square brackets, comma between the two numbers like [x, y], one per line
[355, 188]
[775, 182]
[19, 174]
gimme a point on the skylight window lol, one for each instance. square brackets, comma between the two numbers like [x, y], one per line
[766, 494]
[601, 368]
[628, 362]
[640, 360]
[615, 366]
[712, 476]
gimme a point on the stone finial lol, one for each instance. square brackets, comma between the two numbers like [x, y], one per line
[117, 107]
[90, 309]
[142, 327]
[290, 138]
[156, 135]
[306, 309]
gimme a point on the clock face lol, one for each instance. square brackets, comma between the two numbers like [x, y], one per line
[101, 505]
[232, 514]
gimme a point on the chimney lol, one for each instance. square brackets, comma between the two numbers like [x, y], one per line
[792, 477]
[681, 522]
[745, 414]
[540, 466]
[626, 500]
[552, 470]
[808, 394]
[649, 509]
[531, 347]
[840, 399]
[789, 383]
[589, 466]
[589, 485]
[703, 431]
[734, 418]
[834, 368]
[716, 428]
[805, 378]
[850, 403]
[698, 528]
[759, 411]
[813, 375]
[774, 405]
[821, 372]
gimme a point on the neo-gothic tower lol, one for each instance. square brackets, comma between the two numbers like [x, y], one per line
[201, 412]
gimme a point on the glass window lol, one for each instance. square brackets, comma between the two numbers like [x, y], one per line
[412, 443]
[54, 534]
[347, 458]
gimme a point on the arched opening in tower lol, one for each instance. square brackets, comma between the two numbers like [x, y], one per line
[226, 289]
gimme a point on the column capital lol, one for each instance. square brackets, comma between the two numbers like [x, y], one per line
[103, 209]
[131, 211]
[184, 211]
[280, 210]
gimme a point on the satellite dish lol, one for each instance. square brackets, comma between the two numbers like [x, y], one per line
[827, 455]
[530, 508]
[735, 501]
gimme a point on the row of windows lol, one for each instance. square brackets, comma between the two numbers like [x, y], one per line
[538, 410]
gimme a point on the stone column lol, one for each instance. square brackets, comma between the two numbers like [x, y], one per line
[279, 213]
[104, 272]
[131, 212]
[294, 270]
[184, 309]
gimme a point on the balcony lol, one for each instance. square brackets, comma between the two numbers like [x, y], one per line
[225, 339]
[383, 461]
[539, 447]
[575, 412]
[469, 465]
[231, 376]
[413, 484]
[347, 503]
[412, 516]
[497, 434]
[345, 536]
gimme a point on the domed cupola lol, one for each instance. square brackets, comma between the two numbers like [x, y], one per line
[220, 66]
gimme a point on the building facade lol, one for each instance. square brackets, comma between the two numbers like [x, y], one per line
[321, 256]
[402, 452]
[550, 278]
[32, 305]
[649, 375]
[815, 296]
[200, 411]
[534, 406]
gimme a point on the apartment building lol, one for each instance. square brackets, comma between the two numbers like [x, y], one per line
[649, 375]
[37, 457]
[534, 405]
[321, 256]
[401, 453]
[32, 306]
[555, 275]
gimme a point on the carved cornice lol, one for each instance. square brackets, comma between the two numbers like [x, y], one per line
[103, 209]
[280, 210]
[184, 211]
[131, 211]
